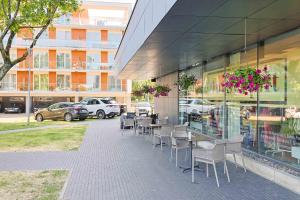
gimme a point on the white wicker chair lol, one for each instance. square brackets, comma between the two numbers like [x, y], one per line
[163, 134]
[210, 156]
[164, 121]
[234, 146]
[128, 123]
[178, 144]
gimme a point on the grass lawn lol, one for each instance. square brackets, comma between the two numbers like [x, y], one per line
[52, 139]
[20, 125]
[28, 185]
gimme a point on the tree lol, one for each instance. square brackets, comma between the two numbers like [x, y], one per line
[32, 15]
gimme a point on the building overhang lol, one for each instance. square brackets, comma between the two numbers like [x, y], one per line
[193, 31]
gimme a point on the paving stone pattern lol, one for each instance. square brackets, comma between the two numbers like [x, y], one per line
[109, 166]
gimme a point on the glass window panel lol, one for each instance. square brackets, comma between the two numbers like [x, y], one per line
[279, 108]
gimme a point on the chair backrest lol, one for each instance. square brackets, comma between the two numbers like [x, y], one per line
[164, 121]
[128, 122]
[218, 152]
[234, 145]
[179, 133]
[165, 130]
[182, 127]
[146, 122]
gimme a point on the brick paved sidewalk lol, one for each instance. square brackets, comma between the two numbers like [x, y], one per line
[111, 166]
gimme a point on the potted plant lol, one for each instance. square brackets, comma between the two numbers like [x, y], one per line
[157, 91]
[162, 90]
[247, 80]
[185, 81]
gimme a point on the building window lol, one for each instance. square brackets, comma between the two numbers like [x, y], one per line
[115, 37]
[41, 82]
[63, 82]
[9, 82]
[63, 60]
[41, 60]
[93, 36]
[93, 82]
[111, 57]
[93, 61]
[63, 35]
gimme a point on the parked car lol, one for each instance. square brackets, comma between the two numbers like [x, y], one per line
[65, 110]
[14, 108]
[101, 107]
[142, 107]
[195, 106]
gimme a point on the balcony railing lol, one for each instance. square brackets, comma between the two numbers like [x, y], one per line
[68, 66]
[68, 43]
[111, 22]
[60, 87]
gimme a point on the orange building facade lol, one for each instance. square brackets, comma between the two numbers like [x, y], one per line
[72, 60]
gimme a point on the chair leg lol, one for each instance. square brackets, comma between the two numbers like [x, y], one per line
[234, 160]
[161, 143]
[207, 172]
[193, 169]
[185, 157]
[242, 155]
[227, 174]
[216, 175]
[153, 141]
[176, 156]
[171, 155]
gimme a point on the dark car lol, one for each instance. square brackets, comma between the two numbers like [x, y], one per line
[13, 108]
[65, 110]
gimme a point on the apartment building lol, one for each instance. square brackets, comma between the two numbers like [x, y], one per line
[72, 60]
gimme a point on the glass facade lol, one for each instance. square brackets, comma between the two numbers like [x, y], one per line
[268, 119]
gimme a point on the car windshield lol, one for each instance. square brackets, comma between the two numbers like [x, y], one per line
[143, 104]
[108, 101]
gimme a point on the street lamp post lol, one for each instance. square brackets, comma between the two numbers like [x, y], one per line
[28, 85]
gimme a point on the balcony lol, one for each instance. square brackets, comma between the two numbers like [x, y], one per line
[59, 87]
[100, 22]
[67, 44]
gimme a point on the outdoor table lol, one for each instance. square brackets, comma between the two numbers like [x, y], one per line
[190, 140]
[153, 126]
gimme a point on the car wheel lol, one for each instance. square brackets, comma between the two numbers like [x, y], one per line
[68, 117]
[39, 118]
[101, 114]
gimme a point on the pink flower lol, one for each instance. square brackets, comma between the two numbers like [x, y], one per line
[250, 77]
[246, 93]
[267, 86]
[240, 91]
[242, 80]
[258, 71]
[251, 85]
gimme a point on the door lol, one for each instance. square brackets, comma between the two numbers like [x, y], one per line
[52, 112]
[93, 106]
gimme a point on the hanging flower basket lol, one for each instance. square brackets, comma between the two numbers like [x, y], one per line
[162, 90]
[247, 80]
[157, 91]
[185, 81]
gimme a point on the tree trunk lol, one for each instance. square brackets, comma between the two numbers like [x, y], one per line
[4, 69]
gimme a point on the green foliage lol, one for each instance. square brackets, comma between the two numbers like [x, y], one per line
[185, 81]
[32, 13]
[289, 127]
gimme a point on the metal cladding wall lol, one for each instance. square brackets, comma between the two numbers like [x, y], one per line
[145, 17]
[168, 106]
